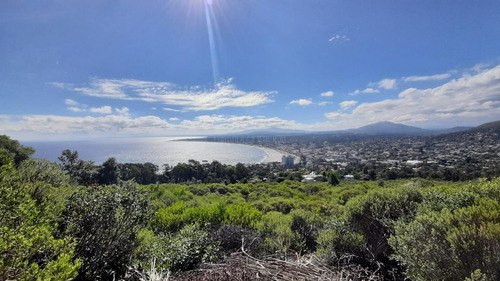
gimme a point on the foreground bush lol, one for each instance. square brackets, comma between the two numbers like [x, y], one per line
[29, 249]
[451, 245]
[105, 222]
[180, 251]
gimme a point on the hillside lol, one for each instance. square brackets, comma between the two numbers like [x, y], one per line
[389, 128]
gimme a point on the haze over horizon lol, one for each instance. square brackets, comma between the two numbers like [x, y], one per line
[197, 67]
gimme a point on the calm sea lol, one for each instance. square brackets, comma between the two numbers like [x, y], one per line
[158, 151]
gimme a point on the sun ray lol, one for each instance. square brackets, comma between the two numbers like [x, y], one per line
[211, 23]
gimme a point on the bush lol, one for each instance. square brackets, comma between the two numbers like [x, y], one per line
[451, 245]
[242, 215]
[374, 215]
[279, 237]
[29, 249]
[105, 222]
[180, 251]
[306, 225]
[339, 245]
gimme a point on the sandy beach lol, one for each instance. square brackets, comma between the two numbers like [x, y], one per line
[273, 155]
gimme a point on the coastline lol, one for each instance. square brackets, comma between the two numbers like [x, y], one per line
[273, 155]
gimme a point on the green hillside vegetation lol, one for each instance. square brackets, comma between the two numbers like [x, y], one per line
[57, 223]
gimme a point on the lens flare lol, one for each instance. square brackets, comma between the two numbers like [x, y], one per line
[211, 24]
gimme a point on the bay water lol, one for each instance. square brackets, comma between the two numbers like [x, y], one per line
[156, 150]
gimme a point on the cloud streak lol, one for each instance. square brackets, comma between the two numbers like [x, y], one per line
[436, 77]
[188, 99]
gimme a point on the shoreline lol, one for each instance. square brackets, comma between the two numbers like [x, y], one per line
[273, 155]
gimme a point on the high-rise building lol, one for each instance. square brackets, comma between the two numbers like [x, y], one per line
[287, 160]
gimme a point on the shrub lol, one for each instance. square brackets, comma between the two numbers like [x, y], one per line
[105, 222]
[242, 215]
[279, 237]
[451, 245]
[180, 251]
[337, 244]
[374, 215]
[29, 249]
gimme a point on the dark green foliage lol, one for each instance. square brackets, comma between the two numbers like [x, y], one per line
[338, 244]
[81, 172]
[39, 170]
[374, 215]
[332, 179]
[180, 251]
[455, 242]
[109, 172]
[13, 149]
[29, 249]
[307, 225]
[105, 222]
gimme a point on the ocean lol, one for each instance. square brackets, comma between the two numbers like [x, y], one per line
[157, 150]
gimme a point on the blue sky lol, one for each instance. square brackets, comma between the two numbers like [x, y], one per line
[197, 67]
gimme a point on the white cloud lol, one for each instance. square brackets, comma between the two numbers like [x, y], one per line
[480, 67]
[370, 91]
[58, 85]
[327, 94]
[365, 91]
[387, 84]
[171, 109]
[355, 93]
[221, 123]
[102, 110]
[188, 98]
[76, 109]
[302, 102]
[347, 104]
[70, 102]
[337, 38]
[468, 100]
[323, 103]
[435, 77]
[122, 111]
[333, 115]
[54, 126]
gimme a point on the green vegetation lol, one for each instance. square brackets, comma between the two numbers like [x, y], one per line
[77, 221]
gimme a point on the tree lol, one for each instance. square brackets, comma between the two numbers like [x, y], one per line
[109, 172]
[182, 172]
[80, 172]
[332, 179]
[12, 147]
[240, 172]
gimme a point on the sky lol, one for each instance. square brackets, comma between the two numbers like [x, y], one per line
[100, 68]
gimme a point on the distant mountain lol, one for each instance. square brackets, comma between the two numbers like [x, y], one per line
[270, 132]
[489, 126]
[389, 128]
[454, 130]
